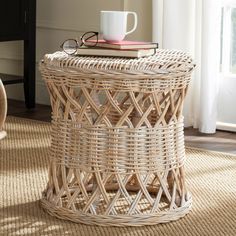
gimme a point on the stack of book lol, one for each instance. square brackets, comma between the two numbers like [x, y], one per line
[132, 49]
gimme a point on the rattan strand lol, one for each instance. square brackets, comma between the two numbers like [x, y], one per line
[117, 151]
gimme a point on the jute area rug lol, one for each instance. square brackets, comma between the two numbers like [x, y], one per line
[211, 178]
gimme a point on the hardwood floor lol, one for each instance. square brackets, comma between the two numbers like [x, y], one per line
[40, 112]
[220, 141]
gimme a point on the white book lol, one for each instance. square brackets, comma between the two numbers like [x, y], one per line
[95, 51]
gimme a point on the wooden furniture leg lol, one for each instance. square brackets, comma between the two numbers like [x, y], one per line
[29, 57]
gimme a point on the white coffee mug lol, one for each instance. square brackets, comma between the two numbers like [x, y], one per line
[113, 25]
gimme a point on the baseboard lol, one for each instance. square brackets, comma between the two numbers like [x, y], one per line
[226, 126]
[16, 92]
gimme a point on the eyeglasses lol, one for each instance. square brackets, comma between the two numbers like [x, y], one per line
[89, 39]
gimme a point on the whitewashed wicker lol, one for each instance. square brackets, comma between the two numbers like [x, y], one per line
[117, 151]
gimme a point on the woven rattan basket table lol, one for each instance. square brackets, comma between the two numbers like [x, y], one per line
[117, 151]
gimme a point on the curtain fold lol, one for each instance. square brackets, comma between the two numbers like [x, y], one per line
[193, 26]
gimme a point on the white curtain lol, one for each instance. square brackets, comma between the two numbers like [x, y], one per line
[194, 26]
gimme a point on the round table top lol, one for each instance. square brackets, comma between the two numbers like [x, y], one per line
[163, 62]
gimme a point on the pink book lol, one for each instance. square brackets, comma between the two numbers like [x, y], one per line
[126, 44]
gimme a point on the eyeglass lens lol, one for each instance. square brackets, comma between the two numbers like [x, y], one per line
[70, 46]
[90, 39]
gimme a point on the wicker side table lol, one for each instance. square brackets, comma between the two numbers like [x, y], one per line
[117, 151]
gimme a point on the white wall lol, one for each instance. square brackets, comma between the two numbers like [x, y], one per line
[58, 20]
[226, 101]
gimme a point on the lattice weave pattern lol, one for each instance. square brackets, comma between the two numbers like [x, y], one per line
[117, 151]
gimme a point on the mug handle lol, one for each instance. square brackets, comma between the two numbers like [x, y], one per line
[135, 22]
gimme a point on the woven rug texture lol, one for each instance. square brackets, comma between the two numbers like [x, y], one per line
[211, 178]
